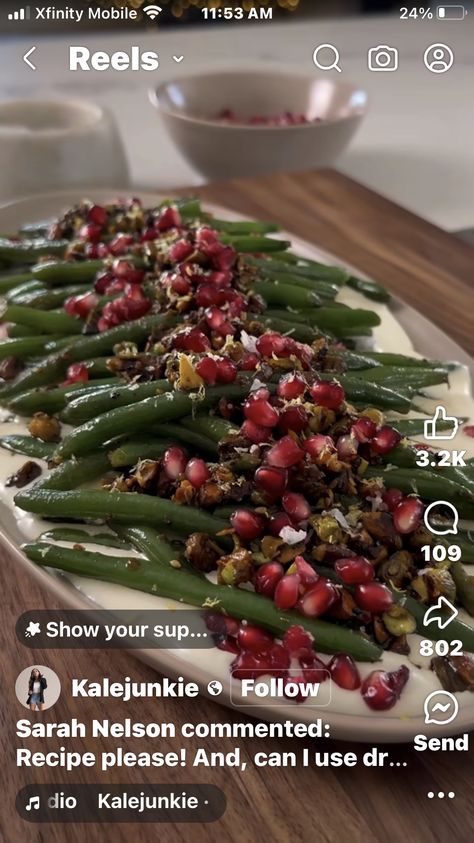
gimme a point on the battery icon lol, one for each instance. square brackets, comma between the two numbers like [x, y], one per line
[450, 12]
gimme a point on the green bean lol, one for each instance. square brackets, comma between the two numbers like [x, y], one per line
[416, 427]
[387, 358]
[10, 282]
[369, 289]
[253, 243]
[152, 544]
[464, 586]
[52, 368]
[57, 273]
[176, 433]
[132, 451]
[325, 289]
[51, 400]
[213, 427]
[29, 446]
[20, 331]
[78, 536]
[72, 473]
[22, 347]
[301, 333]
[45, 321]
[15, 295]
[140, 415]
[428, 484]
[29, 251]
[83, 408]
[48, 299]
[363, 393]
[172, 583]
[285, 294]
[243, 227]
[412, 375]
[342, 321]
[123, 507]
[318, 272]
[404, 456]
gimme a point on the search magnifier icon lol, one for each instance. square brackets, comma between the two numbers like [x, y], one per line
[330, 58]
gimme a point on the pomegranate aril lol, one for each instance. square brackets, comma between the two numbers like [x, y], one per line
[226, 371]
[102, 281]
[285, 453]
[76, 373]
[319, 599]
[328, 394]
[373, 597]
[168, 218]
[306, 573]
[174, 462]
[287, 592]
[121, 244]
[220, 279]
[267, 578]
[291, 386]
[193, 340]
[279, 660]
[217, 322]
[126, 271]
[180, 251]
[271, 343]
[249, 666]
[407, 515]
[197, 472]
[344, 672]
[385, 440]
[354, 570]
[293, 418]
[296, 506]
[347, 447]
[249, 362]
[247, 524]
[261, 412]
[381, 689]
[253, 639]
[278, 521]
[314, 670]
[228, 644]
[181, 286]
[392, 497]
[297, 640]
[295, 688]
[255, 432]
[271, 480]
[97, 215]
[364, 429]
[318, 444]
[91, 232]
[81, 306]
[207, 370]
[208, 296]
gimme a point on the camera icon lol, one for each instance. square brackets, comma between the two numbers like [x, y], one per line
[383, 59]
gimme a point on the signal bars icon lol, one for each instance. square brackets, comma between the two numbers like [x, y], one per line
[21, 14]
[152, 11]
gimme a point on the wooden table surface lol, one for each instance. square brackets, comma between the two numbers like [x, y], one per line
[431, 270]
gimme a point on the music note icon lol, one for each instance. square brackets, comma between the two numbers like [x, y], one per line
[33, 803]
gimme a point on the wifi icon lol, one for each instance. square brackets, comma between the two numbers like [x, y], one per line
[152, 11]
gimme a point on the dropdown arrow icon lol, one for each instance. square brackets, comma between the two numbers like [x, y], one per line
[178, 59]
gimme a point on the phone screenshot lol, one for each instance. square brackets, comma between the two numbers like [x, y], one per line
[236, 421]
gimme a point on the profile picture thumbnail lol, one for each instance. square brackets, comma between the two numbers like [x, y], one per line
[37, 687]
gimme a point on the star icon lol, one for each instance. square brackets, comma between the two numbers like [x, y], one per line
[32, 629]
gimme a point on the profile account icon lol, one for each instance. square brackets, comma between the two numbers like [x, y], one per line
[438, 58]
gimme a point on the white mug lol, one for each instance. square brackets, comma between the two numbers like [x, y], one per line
[55, 144]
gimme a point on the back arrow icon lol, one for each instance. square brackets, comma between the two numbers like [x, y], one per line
[26, 58]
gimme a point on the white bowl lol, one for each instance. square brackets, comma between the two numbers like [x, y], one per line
[53, 144]
[217, 149]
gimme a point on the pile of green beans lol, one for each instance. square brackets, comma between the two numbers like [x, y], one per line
[113, 425]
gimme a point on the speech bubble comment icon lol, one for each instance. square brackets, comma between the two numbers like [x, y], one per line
[440, 708]
[441, 529]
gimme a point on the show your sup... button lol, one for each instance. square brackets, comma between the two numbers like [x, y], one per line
[95, 803]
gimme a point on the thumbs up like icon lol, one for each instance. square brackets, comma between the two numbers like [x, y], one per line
[431, 425]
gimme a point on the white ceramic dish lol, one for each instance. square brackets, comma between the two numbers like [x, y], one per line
[219, 150]
[347, 716]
